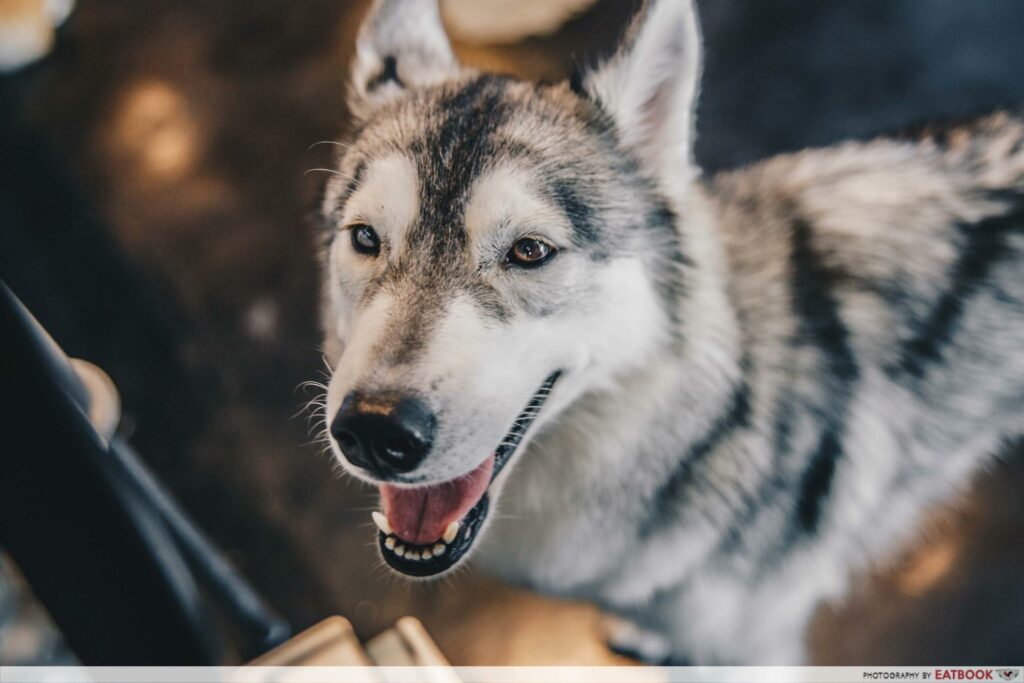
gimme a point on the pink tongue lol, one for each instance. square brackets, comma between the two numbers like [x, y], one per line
[420, 515]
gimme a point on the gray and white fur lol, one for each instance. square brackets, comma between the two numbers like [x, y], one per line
[768, 376]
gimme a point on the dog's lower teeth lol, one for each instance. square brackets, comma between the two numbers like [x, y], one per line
[411, 552]
[430, 552]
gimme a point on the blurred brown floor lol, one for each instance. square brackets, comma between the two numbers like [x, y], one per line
[190, 125]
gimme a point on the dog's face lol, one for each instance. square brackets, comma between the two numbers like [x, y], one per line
[495, 249]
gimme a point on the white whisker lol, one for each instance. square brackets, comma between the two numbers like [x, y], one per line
[327, 170]
[343, 145]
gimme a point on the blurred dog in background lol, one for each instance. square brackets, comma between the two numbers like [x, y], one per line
[698, 402]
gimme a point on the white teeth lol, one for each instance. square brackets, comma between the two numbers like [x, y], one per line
[382, 522]
[410, 553]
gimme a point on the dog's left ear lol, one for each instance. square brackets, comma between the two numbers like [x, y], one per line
[649, 87]
[402, 45]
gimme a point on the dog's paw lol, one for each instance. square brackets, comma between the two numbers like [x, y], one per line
[631, 640]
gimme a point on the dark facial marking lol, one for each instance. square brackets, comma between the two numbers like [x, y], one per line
[449, 159]
[353, 184]
[329, 221]
[433, 268]
[388, 74]
[489, 301]
[563, 187]
[566, 194]
[413, 318]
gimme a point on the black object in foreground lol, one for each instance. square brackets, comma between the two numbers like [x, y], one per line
[127, 577]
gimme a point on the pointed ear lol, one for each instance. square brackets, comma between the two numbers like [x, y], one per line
[649, 86]
[402, 45]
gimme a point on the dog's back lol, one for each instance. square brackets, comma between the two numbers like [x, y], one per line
[880, 294]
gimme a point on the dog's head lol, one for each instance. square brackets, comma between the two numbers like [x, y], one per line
[496, 248]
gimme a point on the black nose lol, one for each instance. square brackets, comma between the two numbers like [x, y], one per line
[385, 434]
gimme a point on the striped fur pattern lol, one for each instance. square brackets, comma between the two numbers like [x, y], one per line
[768, 376]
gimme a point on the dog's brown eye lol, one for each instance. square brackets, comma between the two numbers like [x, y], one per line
[365, 240]
[529, 253]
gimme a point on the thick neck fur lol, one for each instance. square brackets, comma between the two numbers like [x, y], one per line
[593, 451]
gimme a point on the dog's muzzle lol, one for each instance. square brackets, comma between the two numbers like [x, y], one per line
[426, 530]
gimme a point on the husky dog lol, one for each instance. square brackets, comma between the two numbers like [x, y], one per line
[698, 402]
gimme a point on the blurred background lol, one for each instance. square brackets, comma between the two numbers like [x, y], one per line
[155, 216]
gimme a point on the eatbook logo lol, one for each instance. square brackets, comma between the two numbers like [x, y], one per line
[967, 674]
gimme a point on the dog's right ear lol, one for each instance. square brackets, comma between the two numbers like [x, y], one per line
[649, 87]
[401, 46]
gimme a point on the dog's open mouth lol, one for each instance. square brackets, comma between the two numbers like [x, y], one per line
[426, 530]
